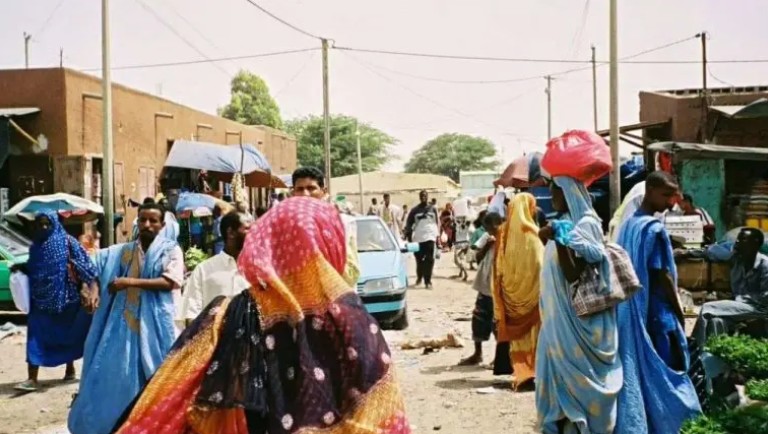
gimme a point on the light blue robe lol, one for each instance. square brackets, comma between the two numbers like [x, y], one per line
[578, 371]
[127, 342]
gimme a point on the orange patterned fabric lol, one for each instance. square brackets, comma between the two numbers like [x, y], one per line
[517, 266]
[326, 366]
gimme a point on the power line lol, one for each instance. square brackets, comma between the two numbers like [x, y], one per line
[168, 26]
[295, 76]
[195, 29]
[208, 60]
[284, 22]
[47, 21]
[541, 60]
[426, 98]
[709, 71]
[524, 78]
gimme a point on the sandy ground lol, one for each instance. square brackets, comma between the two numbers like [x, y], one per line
[440, 397]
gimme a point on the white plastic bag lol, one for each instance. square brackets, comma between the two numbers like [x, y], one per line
[20, 291]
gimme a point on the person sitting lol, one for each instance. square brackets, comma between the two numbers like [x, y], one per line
[749, 285]
[689, 209]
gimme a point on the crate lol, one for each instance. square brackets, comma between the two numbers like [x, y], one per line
[690, 228]
[700, 275]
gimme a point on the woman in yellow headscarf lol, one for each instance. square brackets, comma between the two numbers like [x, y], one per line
[519, 256]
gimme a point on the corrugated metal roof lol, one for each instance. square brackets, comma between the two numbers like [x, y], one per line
[17, 111]
[703, 151]
[753, 110]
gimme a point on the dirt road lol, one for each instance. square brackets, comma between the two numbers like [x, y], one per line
[440, 397]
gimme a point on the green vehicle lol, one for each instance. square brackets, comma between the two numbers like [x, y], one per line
[14, 250]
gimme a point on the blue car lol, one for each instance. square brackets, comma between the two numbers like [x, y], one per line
[383, 281]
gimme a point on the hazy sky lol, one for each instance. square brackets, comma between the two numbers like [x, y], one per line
[383, 89]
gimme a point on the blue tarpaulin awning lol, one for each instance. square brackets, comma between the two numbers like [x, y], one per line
[224, 159]
[216, 158]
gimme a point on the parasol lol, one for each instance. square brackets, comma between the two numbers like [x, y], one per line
[523, 172]
[71, 209]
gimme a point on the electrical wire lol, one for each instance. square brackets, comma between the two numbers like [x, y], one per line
[200, 61]
[431, 100]
[47, 21]
[195, 29]
[284, 22]
[540, 60]
[709, 71]
[576, 40]
[525, 78]
[168, 26]
[301, 69]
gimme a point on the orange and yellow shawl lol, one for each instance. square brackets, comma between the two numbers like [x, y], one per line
[297, 353]
[517, 265]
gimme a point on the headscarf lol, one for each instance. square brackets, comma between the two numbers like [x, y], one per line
[298, 351]
[519, 257]
[586, 238]
[52, 287]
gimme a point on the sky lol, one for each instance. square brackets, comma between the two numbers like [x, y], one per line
[413, 99]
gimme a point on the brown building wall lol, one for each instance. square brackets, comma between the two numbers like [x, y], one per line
[143, 126]
[41, 88]
[684, 109]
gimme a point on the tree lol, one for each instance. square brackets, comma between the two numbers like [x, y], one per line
[448, 154]
[375, 144]
[251, 103]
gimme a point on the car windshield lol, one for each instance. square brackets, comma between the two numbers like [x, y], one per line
[373, 236]
[12, 242]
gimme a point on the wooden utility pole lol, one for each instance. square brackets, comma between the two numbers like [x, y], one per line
[549, 106]
[615, 180]
[360, 168]
[326, 118]
[27, 37]
[108, 178]
[704, 90]
[61, 57]
[594, 87]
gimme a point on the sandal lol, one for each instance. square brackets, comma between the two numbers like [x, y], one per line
[26, 386]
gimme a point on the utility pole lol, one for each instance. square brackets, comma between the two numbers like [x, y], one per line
[594, 87]
[615, 184]
[61, 57]
[704, 90]
[548, 91]
[360, 168]
[27, 37]
[108, 157]
[326, 119]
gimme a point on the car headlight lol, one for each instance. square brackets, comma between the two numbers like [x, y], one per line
[376, 285]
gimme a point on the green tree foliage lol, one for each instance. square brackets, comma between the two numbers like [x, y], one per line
[375, 144]
[251, 103]
[448, 154]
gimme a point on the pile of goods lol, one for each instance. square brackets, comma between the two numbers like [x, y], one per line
[747, 358]
[581, 155]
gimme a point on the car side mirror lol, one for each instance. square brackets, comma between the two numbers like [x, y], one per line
[410, 248]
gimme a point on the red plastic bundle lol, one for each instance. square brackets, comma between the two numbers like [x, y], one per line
[582, 155]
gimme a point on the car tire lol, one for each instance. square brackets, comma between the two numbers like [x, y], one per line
[401, 323]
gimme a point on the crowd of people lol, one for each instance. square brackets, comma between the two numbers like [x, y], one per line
[273, 337]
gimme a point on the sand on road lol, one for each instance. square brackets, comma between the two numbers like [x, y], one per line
[440, 397]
